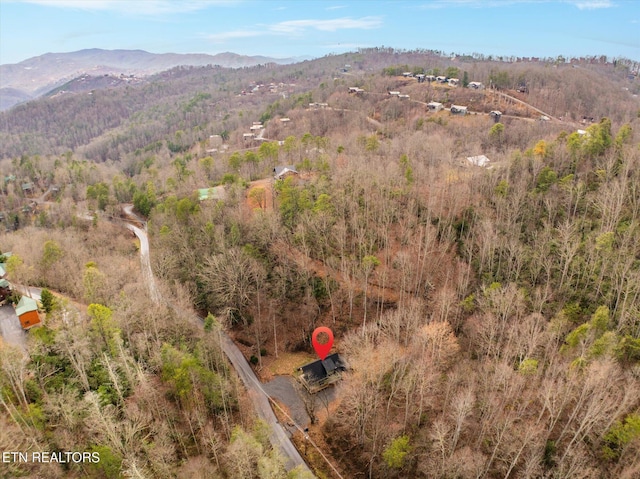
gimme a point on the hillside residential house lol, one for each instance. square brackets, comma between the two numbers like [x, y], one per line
[5, 289]
[435, 106]
[476, 85]
[479, 160]
[282, 172]
[319, 374]
[458, 110]
[27, 311]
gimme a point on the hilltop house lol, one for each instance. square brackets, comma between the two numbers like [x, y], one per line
[27, 311]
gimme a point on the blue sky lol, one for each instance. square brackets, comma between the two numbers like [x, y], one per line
[293, 28]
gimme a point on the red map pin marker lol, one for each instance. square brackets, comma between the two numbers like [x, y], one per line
[322, 349]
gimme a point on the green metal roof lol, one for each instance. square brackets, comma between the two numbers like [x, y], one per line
[213, 193]
[25, 305]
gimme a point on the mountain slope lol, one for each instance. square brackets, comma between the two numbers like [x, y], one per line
[35, 76]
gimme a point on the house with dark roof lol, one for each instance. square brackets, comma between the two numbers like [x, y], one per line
[320, 374]
[282, 172]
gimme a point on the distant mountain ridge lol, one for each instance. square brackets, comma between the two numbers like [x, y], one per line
[36, 76]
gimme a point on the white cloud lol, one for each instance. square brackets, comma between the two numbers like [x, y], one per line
[581, 4]
[591, 4]
[336, 7]
[298, 26]
[148, 7]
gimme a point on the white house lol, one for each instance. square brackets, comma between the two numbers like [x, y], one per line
[458, 110]
[435, 106]
[479, 160]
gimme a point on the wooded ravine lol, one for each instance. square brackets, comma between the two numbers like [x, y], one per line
[489, 315]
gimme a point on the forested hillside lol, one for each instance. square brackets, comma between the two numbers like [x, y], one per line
[489, 316]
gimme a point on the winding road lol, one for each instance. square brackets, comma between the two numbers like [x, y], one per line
[278, 437]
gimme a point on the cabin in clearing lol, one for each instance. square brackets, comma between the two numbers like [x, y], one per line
[320, 374]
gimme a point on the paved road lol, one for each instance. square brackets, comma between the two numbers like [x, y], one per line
[259, 398]
[145, 261]
[278, 437]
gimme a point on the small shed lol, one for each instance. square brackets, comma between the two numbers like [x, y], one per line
[394, 93]
[434, 106]
[496, 115]
[476, 85]
[27, 311]
[458, 110]
[453, 81]
[282, 172]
